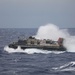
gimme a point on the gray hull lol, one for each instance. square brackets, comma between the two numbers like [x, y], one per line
[39, 47]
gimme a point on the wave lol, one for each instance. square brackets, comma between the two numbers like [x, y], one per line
[66, 67]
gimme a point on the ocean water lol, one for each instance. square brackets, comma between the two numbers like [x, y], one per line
[33, 61]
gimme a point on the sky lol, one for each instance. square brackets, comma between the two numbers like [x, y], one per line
[34, 13]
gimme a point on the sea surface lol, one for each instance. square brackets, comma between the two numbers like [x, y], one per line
[34, 63]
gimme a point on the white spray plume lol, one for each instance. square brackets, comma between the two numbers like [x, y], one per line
[51, 31]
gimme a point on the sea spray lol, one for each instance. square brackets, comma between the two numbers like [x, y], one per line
[51, 31]
[69, 43]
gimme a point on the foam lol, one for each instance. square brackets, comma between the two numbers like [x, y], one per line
[66, 67]
[29, 51]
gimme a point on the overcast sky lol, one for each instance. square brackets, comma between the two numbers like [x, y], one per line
[34, 13]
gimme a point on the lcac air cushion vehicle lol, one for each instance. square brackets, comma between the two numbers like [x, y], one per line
[45, 44]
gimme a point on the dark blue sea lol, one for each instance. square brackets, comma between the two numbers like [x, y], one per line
[37, 63]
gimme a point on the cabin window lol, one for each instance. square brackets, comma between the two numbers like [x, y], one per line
[49, 42]
[32, 42]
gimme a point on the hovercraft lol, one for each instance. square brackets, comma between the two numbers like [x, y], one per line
[45, 44]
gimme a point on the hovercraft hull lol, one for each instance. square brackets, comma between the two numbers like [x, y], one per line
[38, 47]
